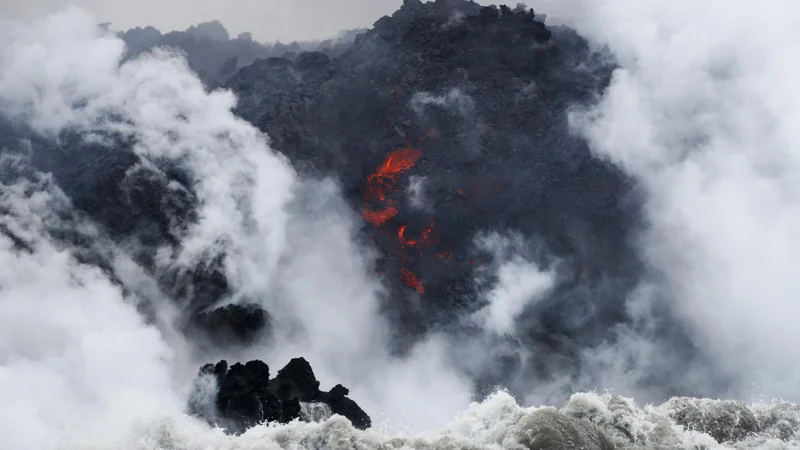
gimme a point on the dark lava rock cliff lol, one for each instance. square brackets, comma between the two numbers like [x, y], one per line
[473, 103]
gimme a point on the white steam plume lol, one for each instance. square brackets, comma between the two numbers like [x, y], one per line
[75, 357]
[704, 113]
[64, 73]
[520, 283]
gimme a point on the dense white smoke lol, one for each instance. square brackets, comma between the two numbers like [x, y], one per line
[78, 357]
[704, 114]
[75, 356]
[520, 283]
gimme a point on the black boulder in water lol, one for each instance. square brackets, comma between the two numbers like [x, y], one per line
[246, 396]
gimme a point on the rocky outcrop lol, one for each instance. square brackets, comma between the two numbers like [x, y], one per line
[246, 396]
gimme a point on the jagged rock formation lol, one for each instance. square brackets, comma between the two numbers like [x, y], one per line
[246, 395]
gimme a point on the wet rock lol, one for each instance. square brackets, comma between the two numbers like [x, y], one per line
[340, 404]
[297, 379]
[246, 396]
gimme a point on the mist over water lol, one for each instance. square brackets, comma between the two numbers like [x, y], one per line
[700, 113]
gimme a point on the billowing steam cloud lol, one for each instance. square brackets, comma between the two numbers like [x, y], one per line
[520, 284]
[704, 113]
[77, 354]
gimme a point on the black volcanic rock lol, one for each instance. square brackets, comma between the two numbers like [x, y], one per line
[296, 379]
[247, 397]
[243, 397]
[232, 323]
[337, 399]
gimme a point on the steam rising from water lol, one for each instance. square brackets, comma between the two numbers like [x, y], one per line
[76, 356]
[704, 114]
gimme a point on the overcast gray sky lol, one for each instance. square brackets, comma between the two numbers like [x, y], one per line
[266, 19]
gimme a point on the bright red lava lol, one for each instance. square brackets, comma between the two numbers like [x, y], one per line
[426, 239]
[396, 163]
[384, 182]
[410, 278]
[380, 186]
[378, 218]
[380, 208]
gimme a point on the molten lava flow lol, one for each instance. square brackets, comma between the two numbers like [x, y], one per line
[396, 163]
[383, 182]
[379, 206]
[410, 278]
[426, 240]
[378, 218]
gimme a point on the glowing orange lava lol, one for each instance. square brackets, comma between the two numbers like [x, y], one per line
[396, 163]
[384, 182]
[410, 278]
[380, 208]
[426, 239]
[444, 255]
[378, 218]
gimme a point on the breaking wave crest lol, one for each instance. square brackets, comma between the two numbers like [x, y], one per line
[587, 421]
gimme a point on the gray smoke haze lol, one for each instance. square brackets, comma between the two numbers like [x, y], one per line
[267, 20]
